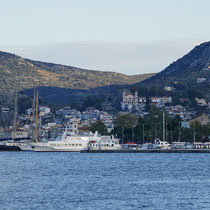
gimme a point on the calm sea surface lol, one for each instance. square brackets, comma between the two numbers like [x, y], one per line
[30, 180]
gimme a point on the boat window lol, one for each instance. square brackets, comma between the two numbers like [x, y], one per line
[72, 144]
[76, 144]
[80, 144]
[65, 144]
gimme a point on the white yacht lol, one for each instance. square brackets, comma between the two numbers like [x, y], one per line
[103, 143]
[161, 144]
[67, 143]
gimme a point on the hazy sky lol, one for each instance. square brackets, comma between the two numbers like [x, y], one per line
[128, 36]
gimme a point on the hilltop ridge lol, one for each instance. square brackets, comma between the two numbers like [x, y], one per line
[35, 73]
[189, 73]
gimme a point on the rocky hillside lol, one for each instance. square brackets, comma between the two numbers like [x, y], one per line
[191, 72]
[34, 73]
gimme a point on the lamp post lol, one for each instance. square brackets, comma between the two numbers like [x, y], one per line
[156, 117]
[132, 133]
[194, 133]
[122, 135]
[179, 131]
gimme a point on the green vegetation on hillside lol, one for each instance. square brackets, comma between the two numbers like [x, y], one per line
[34, 73]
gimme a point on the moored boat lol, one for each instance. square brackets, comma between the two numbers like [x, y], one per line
[161, 144]
[67, 143]
[103, 143]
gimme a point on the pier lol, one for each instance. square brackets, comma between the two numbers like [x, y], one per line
[149, 151]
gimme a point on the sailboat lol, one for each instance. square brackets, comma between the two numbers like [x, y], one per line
[17, 137]
[11, 143]
[27, 146]
[158, 144]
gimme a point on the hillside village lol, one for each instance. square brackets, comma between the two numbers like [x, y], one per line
[133, 102]
[51, 124]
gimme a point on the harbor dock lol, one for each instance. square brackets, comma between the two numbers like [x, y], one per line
[149, 151]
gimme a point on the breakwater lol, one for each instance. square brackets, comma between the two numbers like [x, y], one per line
[149, 151]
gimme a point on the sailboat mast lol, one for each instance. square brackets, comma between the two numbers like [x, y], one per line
[37, 96]
[33, 106]
[164, 124]
[15, 114]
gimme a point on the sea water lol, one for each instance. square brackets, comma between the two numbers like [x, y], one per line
[30, 180]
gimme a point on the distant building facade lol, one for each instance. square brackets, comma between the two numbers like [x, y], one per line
[131, 101]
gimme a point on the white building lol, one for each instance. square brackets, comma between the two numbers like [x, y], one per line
[44, 109]
[200, 80]
[134, 101]
[129, 98]
[201, 102]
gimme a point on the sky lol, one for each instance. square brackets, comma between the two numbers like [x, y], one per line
[127, 36]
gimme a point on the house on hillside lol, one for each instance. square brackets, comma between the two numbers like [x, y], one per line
[201, 102]
[203, 120]
[200, 80]
[131, 101]
[169, 88]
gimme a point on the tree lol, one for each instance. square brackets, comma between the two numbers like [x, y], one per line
[99, 126]
[124, 125]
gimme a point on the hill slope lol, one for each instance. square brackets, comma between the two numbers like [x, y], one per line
[185, 72]
[34, 73]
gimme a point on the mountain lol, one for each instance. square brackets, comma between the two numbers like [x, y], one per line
[34, 73]
[189, 73]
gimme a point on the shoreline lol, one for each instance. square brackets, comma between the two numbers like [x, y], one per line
[149, 151]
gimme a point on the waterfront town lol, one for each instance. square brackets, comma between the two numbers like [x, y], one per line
[139, 125]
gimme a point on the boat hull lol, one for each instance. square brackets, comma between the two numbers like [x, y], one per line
[26, 148]
[51, 149]
[9, 148]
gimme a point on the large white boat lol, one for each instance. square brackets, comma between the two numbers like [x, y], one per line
[103, 143]
[67, 143]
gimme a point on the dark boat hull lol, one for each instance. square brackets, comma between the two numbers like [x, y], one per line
[9, 148]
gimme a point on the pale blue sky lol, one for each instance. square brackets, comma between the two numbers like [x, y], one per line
[27, 26]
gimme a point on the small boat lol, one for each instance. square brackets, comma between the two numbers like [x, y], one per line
[131, 145]
[99, 142]
[161, 144]
[147, 146]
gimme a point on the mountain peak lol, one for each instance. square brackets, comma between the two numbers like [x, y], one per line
[196, 60]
